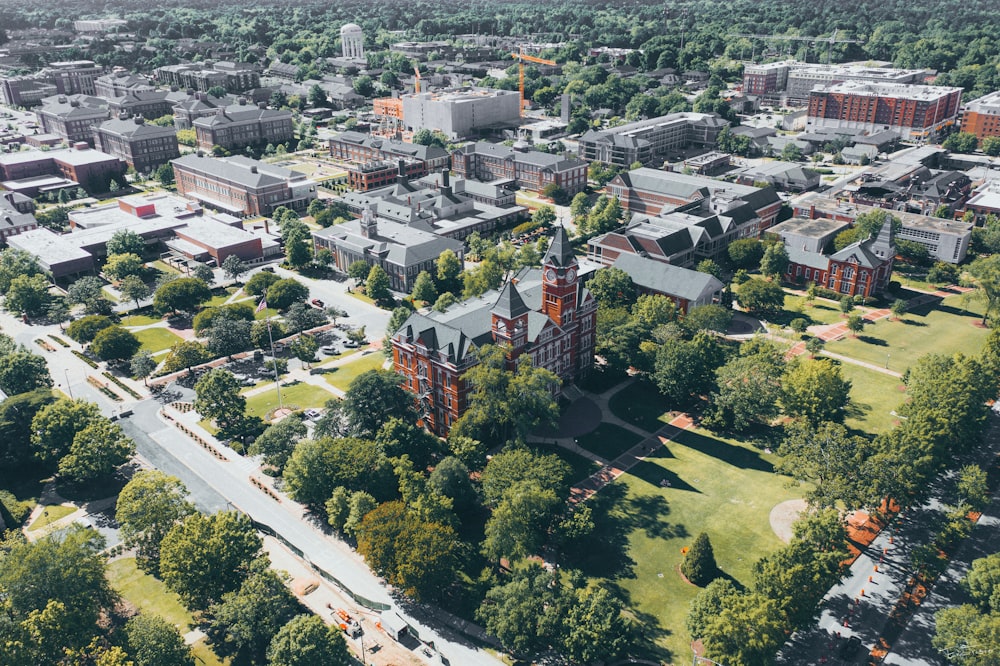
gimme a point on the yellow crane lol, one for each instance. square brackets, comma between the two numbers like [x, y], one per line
[416, 82]
[521, 56]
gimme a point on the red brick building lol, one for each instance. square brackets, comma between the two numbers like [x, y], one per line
[529, 169]
[546, 314]
[860, 269]
[241, 185]
[361, 148]
[373, 175]
[916, 112]
[982, 116]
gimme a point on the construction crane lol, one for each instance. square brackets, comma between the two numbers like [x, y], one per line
[521, 56]
[830, 41]
[416, 82]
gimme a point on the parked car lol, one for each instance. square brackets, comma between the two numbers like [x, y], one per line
[329, 349]
[351, 343]
[317, 303]
[312, 413]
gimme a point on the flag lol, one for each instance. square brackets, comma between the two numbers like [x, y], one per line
[262, 305]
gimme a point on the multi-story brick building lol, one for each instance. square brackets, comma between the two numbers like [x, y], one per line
[243, 124]
[528, 169]
[649, 141]
[546, 315]
[150, 104]
[72, 117]
[374, 175]
[363, 148]
[792, 81]
[199, 105]
[15, 218]
[916, 112]
[233, 76]
[652, 192]
[860, 269]
[91, 169]
[241, 185]
[121, 83]
[982, 116]
[74, 77]
[141, 145]
[25, 90]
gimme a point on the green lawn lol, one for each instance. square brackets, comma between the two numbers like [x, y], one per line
[873, 396]
[151, 596]
[140, 320]
[581, 467]
[944, 329]
[51, 514]
[342, 376]
[157, 339]
[609, 441]
[216, 301]
[820, 312]
[298, 396]
[641, 404]
[721, 487]
[265, 313]
[361, 297]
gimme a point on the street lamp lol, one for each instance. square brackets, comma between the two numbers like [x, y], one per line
[69, 389]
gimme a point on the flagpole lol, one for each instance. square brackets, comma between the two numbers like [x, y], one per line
[277, 375]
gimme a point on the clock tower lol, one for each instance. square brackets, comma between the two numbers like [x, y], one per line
[559, 280]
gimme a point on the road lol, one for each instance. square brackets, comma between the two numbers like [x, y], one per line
[213, 480]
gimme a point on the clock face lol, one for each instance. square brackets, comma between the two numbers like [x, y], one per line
[571, 275]
[501, 326]
[550, 275]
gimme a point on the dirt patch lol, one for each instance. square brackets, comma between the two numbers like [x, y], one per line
[783, 515]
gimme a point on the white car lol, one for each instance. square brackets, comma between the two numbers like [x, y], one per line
[329, 349]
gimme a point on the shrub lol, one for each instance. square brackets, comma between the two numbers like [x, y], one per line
[699, 565]
[799, 325]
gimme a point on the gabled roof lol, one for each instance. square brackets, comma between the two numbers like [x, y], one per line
[510, 304]
[560, 252]
[668, 279]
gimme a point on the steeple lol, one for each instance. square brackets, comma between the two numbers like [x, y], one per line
[560, 252]
[883, 246]
[510, 305]
[510, 320]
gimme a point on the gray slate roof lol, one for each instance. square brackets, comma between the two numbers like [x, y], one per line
[668, 279]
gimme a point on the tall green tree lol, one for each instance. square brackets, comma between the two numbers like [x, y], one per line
[307, 641]
[21, 371]
[424, 289]
[826, 455]
[698, 565]
[278, 441]
[748, 388]
[96, 452]
[372, 399]
[56, 425]
[181, 295]
[204, 557]
[115, 343]
[14, 262]
[815, 390]
[377, 285]
[152, 641]
[148, 507]
[218, 397]
[126, 241]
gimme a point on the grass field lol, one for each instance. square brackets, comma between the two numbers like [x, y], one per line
[721, 487]
[140, 320]
[51, 514]
[640, 404]
[299, 396]
[265, 313]
[342, 376]
[609, 441]
[151, 596]
[944, 329]
[820, 312]
[873, 396]
[157, 339]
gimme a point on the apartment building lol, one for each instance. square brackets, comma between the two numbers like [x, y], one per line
[982, 116]
[650, 141]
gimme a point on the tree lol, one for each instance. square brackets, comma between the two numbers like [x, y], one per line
[846, 304]
[505, 405]
[991, 145]
[304, 348]
[364, 86]
[514, 466]
[283, 293]
[126, 241]
[56, 425]
[186, 355]
[968, 635]
[316, 467]
[97, 450]
[986, 272]
[233, 267]
[301, 317]
[359, 270]
[830, 458]
[596, 631]
[218, 398]
[708, 604]
[134, 289]
[276, 443]
[775, 260]
[56, 587]
[527, 613]
[556, 193]
[447, 269]
[258, 284]
[182, 294]
[243, 624]
[748, 388]
[21, 371]
[698, 565]
[913, 252]
[898, 308]
[152, 641]
[377, 285]
[298, 249]
[203, 273]
[710, 317]
[612, 287]
[88, 291]
[961, 142]
[791, 152]
[686, 368]
[14, 262]
[204, 557]
[115, 343]
[983, 582]
[445, 301]
[119, 266]
[760, 297]
[451, 478]
[855, 324]
[228, 336]
[400, 438]
[148, 507]
[307, 641]
[16, 415]
[424, 289]
[58, 312]
[372, 399]
[748, 631]
[815, 390]
[28, 295]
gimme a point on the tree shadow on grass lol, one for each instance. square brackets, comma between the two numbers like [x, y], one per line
[605, 553]
[734, 455]
[871, 340]
[656, 475]
[911, 322]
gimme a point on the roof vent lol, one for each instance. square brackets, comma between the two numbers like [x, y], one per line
[253, 169]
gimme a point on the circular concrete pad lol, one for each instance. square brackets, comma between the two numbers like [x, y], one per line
[783, 515]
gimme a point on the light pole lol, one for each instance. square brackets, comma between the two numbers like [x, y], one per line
[887, 360]
[69, 389]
